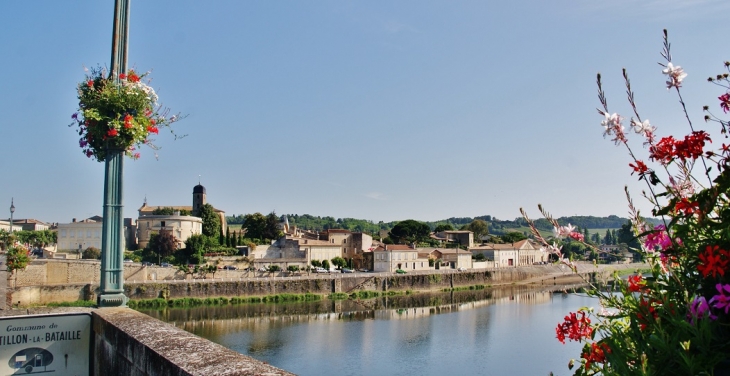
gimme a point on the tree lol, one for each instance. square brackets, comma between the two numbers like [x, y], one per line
[211, 221]
[444, 227]
[163, 244]
[513, 237]
[326, 264]
[234, 240]
[479, 227]
[272, 227]
[410, 231]
[292, 268]
[274, 268]
[608, 239]
[163, 211]
[91, 253]
[316, 263]
[255, 225]
[228, 237]
[16, 258]
[194, 250]
[339, 262]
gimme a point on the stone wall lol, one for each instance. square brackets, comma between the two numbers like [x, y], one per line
[127, 342]
[230, 283]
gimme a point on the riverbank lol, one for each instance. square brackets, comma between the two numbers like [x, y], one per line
[316, 284]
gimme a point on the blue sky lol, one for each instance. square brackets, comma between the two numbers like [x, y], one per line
[381, 110]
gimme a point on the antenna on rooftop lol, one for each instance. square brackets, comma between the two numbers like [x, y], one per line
[198, 179]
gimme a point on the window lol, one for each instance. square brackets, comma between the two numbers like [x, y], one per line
[72, 234]
[81, 233]
[97, 234]
[88, 233]
[63, 233]
[162, 223]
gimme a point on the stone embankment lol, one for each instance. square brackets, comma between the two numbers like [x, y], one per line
[44, 284]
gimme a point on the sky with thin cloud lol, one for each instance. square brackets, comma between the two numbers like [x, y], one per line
[377, 110]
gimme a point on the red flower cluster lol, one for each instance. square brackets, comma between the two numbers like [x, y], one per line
[725, 102]
[686, 207]
[646, 313]
[128, 121]
[112, 133]
[131, 76]
[596, 354]
[713, 261]
[690, 148]
[640, 167]
[153, 129]
[636, 283]
[90, 83]
[576, 328]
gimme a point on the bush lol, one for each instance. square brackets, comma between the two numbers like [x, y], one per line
[91, 253]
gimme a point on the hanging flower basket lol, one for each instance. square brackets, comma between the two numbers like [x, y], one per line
[118, 115]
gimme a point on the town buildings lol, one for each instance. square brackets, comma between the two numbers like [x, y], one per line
[520, 253]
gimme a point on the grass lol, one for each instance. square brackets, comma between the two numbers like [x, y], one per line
[464, 288]
[78, 303]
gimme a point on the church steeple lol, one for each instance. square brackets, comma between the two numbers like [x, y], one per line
[199, 198]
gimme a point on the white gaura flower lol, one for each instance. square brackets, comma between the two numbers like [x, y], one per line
[642, 127]
[676, 75]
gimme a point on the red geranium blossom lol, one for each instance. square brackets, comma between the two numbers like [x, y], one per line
[596, 354]
[713, 261]
[574, 327]
[646, 313]
[686, 207]
[153, 130]
[90, 83]
[128, 121]
[640, 167]
[112, 133]
[636, 283]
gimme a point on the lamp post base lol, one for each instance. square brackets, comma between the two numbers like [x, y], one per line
[112, 300]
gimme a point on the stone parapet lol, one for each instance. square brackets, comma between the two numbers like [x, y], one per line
[127, 342]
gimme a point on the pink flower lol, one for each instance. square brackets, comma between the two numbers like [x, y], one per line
[721, 300]
[725, 102]
[699, 308]
[136, 155]
[577, 236]
[658, 238]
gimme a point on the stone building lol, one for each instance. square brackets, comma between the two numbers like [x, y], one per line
[520, 253]
[182, 226]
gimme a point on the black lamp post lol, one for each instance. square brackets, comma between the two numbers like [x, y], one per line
[12, 210]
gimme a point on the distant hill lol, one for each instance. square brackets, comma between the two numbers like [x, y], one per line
[496, 226]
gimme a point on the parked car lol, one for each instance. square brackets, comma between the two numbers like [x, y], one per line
[363, 270]
[321, 270]
[346, 270]
[400, 271]
[230, 267]
[461, 269]
[263, 269]
[165, 265]
[147, 263]
[128, 261]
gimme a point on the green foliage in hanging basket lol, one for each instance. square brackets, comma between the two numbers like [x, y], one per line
[118, 114]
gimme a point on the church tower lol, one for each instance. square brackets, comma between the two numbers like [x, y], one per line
[198, 199]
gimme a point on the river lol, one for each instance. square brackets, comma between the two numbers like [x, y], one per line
[505, 331]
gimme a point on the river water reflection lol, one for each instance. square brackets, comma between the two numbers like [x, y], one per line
[505, 331]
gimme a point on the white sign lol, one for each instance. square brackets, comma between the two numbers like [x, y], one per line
[57, 344]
